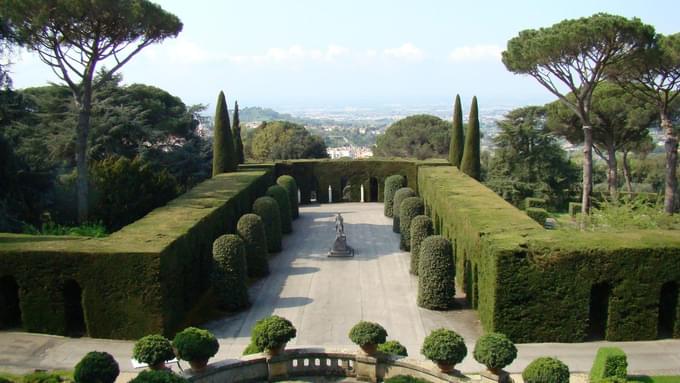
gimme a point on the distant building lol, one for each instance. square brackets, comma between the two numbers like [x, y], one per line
[350, 151]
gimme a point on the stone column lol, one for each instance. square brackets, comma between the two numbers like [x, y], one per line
[366, 368]
[362, 193]
[277, 367]
[330, 194]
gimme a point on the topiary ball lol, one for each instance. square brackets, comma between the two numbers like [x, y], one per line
[272, 332]
[421, 228]
[392, 184]
[268, 210]
[288, 183]
[444, 346]
[436, 272]
[399, 196]
[195, 344]
[364, 333]
[158, 376]
[96, 367]
[393, 347]
[546, 370]
[251, 230]
[229, 277]
[153, 350]
[281, 196]
[494, 350]
[410, 208]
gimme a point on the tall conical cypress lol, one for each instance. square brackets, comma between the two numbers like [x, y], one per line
[223, 144]
[457, 140]
[236, 133]
[470, 164]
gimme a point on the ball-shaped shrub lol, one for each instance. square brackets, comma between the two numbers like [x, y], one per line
[251, 230]
[268, 210]
[421, 228]
[444, 346]
[365, 333]
[159, 376]
[272, 332]
[495, 351]
[229, 277]
[410, 208]
[153, 350]
[288, 183]
[99, 367]
[546, 370]
[393, 347]
[195, 344]
[436, 273]
[392, 184]
[399, 197]
[281, 196]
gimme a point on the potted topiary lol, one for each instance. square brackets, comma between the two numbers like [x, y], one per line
[153, 350]
[546, 370]
[393, 347]
[444, 347]
[96, 367]
[272, 333]
[495, 351]
[195, 346]
[368, 335]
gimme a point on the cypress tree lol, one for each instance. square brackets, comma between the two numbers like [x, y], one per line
[236, 133]
[470, 164]
[223, 144]
[457, 138]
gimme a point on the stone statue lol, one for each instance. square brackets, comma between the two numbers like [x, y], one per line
[339, 226]
[340, 247]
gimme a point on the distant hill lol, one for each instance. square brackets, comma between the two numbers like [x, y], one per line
[256, 114]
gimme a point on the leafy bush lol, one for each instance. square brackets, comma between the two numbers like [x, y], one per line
[610, 362]
[410, 207]
[268, 210]
[546, 370]
[537, 214]
[160, 376]
[153, 349]
[195, 344]
[399, 197]
[4, 380]
[288, 183]
[530, 202]
[99, 367]
[631, 214]
[364, 333]
[393, 347]
[436, 271]
[281, 196]
[494, 350]
[272, 332]
[405, 379]
[444, 346]
[251, 348]
[251, 230]
[92, 229]
[392, 184]
[229, 277]
[421, 228]
[41, 377]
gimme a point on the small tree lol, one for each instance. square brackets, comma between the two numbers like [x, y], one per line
[399, 197]
[470, 163]
[421, 228]
[229, 275]
[392, 184]
[410, 208]
[288, 183]
[457, 138]
[224, 159]
[251, 230]
[96, 367]
[268, 210]
[546, 370]
[495, 351]
[436, 273]
[236, 134]
[281, 196]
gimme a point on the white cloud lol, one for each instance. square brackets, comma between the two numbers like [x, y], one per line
[476, 53]
[407, 51]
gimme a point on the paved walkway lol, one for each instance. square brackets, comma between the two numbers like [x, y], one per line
[324, 297]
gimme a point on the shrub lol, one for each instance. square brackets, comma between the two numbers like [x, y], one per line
[546, 370]
[610, 362]
[251, 348]
[399, 197]
[436, 273]
[393, 347]
[494, 350]
[410, 208]
[268, 210]
[392, 184]
[4, 380]
[537, 214]
[530, 202]
[288, 183]
[40, 377]
[421, 228]
[229, 277]
[195, 344]
[272, 332]
[251, 230]
[160, 376]
[574, 208]
[281, 196]
[444, 346]
[99, 367]
[153, 349]
[405, 379]
[364, 333]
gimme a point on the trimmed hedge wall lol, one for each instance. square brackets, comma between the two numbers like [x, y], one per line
[421, 228]
[399, 197]
[268, 210]
[410, 208]
[251, 230]
[281, 196]
[229, 276]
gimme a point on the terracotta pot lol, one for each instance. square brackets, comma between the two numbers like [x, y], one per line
[446, 367]
[276, 350]
[158, 366]
[495, 370]
[369, 349]
[198, 365]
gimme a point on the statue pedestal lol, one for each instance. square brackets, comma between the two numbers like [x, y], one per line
[340, 248]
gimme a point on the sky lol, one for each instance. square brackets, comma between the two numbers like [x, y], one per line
[299, 54]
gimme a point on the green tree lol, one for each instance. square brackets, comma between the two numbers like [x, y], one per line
[8, 41]
[457, 138]
[73, 36]
[236, 134]
[224, 159]
[420, 136]
[576, 54]
[471, 163]
[282, 140]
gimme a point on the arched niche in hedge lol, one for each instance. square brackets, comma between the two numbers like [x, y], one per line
[73, 309]
[10, 311]
[373, 186]
[668, 306]
[598, 313]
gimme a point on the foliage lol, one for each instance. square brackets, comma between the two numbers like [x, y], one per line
[268, 210]
[281, 196]
[96, 230]
[436, 272]
[281, 140]
[399, 197]
[224, 158]
[494, 350]
[161, 376]
[444, 346]
[574, 208]
[288, 183]
[97, 367]
[41, 377]
[546, 370]
[272, 332]
[236, 135]
[535, 202]
[153, 349]
[195, 344]
[392, 184]
[365, 333]
[420, 136]
[457, 138]
[229, 277]
[393, 347]
[410, 208]
[470, 163]
[251, 230]
[610, 362]
[405, 379]
[251, 348]
[421, 228]
[537, 214]
[630, 214]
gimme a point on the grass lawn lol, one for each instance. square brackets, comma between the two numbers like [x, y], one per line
[654, 379]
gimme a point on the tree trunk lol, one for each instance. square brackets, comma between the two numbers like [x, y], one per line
[587, 170]
[612, 174]
[626, 172]
[671, 144]
[84, 105]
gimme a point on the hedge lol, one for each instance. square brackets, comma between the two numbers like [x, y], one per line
[251, 230]
[399, 197]
[421, 228]
[268, 210]
[288, 183]
[537, 214]
[610, 362]
[392, 184]
[281, 196]
[229, 275]
[436, 273]
[410, 208]
[535, 202]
